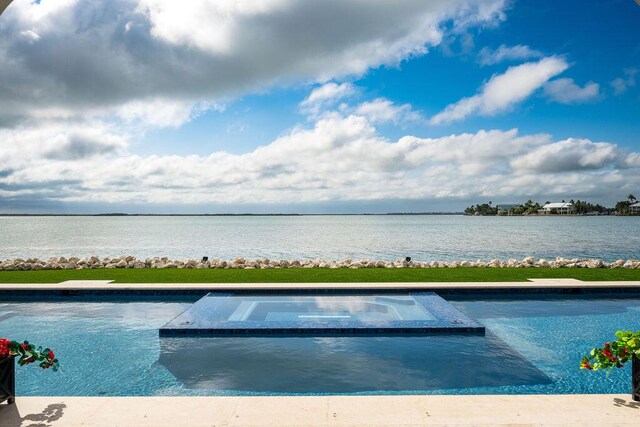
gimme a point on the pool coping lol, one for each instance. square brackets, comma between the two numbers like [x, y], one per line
[532, 286]
[477, 410]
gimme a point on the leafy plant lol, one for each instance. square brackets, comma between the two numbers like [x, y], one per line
[613, 354]
[28, 353]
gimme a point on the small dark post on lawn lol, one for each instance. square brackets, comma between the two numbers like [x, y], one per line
[7, 379]
[635, 378]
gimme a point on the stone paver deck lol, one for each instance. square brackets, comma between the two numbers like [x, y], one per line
[567, 410]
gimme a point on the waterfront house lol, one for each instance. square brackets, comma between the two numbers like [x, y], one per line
[558, 208]
[634, 209]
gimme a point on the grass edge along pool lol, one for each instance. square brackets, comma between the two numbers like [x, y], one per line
[229, 314]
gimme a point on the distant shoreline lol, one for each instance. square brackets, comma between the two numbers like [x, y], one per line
[241, 214]
[4, 215]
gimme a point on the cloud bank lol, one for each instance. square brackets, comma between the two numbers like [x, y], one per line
[338, 158]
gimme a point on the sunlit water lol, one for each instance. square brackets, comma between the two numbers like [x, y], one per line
[425, 238]
[113, 348]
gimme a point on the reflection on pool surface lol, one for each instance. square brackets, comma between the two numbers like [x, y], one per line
[352, 364]
[532, 345]
[310, 308]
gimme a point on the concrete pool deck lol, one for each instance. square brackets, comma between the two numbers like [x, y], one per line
[396, 410]
[108, 285]
[491, 410]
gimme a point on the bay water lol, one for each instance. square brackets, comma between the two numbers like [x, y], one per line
[335, 237]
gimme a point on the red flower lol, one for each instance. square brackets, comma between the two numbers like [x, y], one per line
[4, 347]
[607, 353]
[29, 353]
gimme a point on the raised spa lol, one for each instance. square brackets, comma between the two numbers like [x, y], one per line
[220, 314]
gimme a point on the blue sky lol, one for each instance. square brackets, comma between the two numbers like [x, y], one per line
[341, 106]
[600, 41]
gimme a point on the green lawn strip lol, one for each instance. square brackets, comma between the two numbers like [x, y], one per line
[317, 275]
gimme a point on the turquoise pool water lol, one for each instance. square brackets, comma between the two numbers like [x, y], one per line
[532, 345]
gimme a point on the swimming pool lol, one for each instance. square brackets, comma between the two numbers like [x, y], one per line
[532, 345]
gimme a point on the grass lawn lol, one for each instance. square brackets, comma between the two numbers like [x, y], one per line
[317, 275]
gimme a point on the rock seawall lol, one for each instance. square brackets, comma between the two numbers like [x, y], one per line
[73, 263]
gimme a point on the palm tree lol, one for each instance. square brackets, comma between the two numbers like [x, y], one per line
[622, 207]
[632, 199]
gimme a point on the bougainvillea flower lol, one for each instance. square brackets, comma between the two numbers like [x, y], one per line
[28, 353]
[613, 354]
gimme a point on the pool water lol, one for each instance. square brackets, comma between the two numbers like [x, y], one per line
[216, 308]
[364, 308]
[532, 345]
[228, 314]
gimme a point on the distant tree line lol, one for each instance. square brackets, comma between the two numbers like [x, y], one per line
[531, 208]
[622, 207]
[484, 209]
[586, 207]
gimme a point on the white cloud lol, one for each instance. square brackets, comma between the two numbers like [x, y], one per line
[569, 155]
[339, 158]
[503, 91]
[621, 84]
[63, 58]
[632, 160]
[503, 53]
[325, 96]
[61, 141]
[382, 110]
[566, 91]
[322, 101]
[30, 35]
[329, 91]
[164, 113]
[181, 23]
